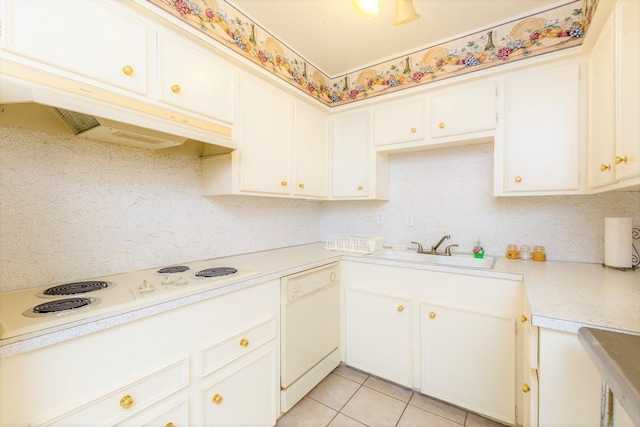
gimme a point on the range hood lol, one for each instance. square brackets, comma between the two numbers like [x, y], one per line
[116, 120]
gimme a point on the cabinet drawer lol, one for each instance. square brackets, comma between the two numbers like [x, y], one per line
[229, 349]
[159, 416]
[128, 400]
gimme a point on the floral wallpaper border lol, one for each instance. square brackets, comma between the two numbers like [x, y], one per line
[549, 31]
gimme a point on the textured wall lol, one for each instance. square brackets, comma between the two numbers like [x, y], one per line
[449, 191]
[73, 209]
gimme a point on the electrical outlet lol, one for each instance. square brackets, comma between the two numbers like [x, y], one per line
[380, 218]
[408, 220]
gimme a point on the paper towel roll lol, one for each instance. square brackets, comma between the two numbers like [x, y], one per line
[617, 242]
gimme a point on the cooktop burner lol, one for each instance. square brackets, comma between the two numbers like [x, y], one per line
[75, 288]
[176, 269]
[60, 306]
[216, 272]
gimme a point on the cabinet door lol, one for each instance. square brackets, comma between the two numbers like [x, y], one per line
[311, 146]
[402, 121]
[244, 395]
[94, 39]
[351, 155]
[628, 18]
[468, 358]
[461, 111]
[569, 384]
[542, 134]
[265, 143]
[601, 132]
[190, 78]
[379, 335]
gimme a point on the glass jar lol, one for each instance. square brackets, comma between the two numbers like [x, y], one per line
[525, 252]
[539, 254]
[512, 252]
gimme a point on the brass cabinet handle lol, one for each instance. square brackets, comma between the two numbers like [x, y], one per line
[175, 88]
[301, 185]
[169, 424]
[127, 70]
[523, 318]
[413, 130]
[400, 308]
[283, 183]
[217, 399]
[360, 187]
[604, 167]
[441, 125]
[126, 402]
[518, 179]
[526, 388]
[432, 315]
[244, 342]
[621, 160]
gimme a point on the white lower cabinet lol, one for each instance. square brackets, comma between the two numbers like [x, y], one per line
[469, 359]
[379, 335]
[156, 370]
[570, 386]
[244, 394]
[465, 353]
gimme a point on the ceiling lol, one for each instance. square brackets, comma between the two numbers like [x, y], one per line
[335, 39]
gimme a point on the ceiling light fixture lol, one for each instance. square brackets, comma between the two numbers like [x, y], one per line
[367, 8]
[405, 12]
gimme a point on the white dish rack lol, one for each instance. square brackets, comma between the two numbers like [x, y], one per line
[347, 242]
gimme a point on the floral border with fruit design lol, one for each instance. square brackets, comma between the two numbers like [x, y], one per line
[549, 31]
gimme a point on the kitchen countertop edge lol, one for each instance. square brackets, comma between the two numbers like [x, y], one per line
[307, 256]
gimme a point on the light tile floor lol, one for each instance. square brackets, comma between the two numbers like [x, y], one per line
[351, 398]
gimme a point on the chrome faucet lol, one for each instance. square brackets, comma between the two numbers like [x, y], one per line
[435, 247]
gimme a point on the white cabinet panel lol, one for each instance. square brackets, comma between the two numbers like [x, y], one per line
[78, 37]
[569, 384]
[469, 358]
[464, 110]
[379, 335]
[193, 79]
[351, 153]
[311, 151]
[542, 134]
[265, 143]
[400, 121]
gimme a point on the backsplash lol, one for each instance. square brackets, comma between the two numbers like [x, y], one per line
[72, 209]
[450, 191]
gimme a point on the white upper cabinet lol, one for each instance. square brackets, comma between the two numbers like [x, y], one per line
[541, 148]
[465, 110]
[628, 102]
[193, 79]
[311, 151]
[265, 138]
[96, 40]
[602, 113]
[400, 121]
[614, 101]
[358, 171]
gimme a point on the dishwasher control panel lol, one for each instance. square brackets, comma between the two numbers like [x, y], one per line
[306, 282]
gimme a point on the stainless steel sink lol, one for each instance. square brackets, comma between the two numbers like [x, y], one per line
[454, 260]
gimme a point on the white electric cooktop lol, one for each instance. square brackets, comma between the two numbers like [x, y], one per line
[36, 309]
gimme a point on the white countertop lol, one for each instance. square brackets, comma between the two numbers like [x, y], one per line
[562, 295]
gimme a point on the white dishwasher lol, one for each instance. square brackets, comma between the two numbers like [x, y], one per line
[310, 330]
